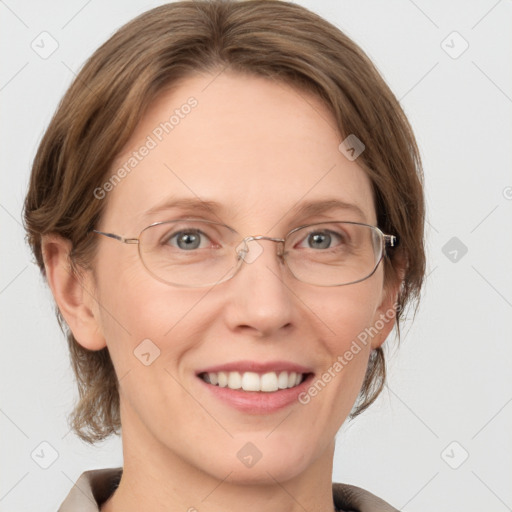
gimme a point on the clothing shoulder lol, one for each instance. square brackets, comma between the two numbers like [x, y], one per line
[91, 490]
[350, 498]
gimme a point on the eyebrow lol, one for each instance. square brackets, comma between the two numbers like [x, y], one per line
[304, 209]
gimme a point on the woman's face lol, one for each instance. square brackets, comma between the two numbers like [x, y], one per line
[259, 149]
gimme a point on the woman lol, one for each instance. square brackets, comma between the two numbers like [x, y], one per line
[228, 209]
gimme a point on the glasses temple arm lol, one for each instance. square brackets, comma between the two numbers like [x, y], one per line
[117, 237]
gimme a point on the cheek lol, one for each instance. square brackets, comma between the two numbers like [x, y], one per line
[349, 316]
[350, 311]
[139, 314]
[134, 307]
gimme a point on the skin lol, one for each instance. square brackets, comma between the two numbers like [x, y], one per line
[258, 147]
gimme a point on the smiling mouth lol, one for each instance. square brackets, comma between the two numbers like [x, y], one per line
[268, 382]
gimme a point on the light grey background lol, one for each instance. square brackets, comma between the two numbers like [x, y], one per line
[449, 381]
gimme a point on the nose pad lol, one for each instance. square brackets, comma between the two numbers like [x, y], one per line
[249, 250]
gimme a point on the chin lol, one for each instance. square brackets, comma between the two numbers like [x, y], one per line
[261, 461]
[279, 468]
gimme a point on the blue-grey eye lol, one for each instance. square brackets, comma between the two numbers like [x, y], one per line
[187, 239]
[321, 239]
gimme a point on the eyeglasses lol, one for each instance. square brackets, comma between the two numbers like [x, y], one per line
[199, 253]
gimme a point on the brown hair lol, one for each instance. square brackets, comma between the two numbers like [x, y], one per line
[270, 38]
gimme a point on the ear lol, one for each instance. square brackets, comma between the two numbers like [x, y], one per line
[73, 294]
[385, 316]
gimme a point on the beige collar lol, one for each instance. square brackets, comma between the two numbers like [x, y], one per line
[95, 486]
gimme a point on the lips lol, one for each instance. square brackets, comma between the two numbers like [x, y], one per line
[266, 400]
[257, 367]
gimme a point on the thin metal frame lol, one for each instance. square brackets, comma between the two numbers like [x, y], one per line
[386, 241]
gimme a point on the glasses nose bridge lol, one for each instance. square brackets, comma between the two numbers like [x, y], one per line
[262, 237]
[244, 252]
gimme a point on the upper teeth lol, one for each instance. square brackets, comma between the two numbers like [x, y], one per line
[251, 381]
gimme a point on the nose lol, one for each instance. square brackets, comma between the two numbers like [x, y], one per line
[259, 295]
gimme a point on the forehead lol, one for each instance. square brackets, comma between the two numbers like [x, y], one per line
[256, 147]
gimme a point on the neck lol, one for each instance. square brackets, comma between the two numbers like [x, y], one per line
[156, 478]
